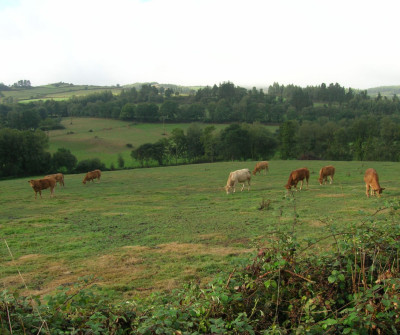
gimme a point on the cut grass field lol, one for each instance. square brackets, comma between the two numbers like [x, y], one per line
[107, 139]
[144, 230]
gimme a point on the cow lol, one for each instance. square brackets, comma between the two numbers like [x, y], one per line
[296, 176]
[239, 176]
[41, 184]
[90, 176]
[58, 177]
[261, 166]
[325, 172]
[372, 183]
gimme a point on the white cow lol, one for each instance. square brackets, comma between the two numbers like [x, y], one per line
[238, 176]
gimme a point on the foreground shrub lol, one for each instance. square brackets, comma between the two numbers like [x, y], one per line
[283, 289]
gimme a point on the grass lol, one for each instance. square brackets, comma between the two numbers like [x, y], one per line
[152, 229]
[106, 139]
[55, 92]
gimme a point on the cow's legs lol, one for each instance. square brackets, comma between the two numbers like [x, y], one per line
[367, 190]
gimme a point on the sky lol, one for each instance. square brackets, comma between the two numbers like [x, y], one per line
[250, 43]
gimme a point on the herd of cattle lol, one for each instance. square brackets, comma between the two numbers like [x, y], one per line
[50, 181]
[243, 176]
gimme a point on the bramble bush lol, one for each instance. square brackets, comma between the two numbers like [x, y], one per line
[283, 289]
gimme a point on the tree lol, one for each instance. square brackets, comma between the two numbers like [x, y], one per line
[288, 141]
[127, 112]
[235, 142]
[121, 161]
[64, 159]
[209, 141]
[179, 143]
[147, 112]
[169, 110]
[262, 143]
[300, 99]
[23, 153]
[195, 147]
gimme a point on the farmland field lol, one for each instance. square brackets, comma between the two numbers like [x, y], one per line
[144, 230]
[106, 139]
[55, 92]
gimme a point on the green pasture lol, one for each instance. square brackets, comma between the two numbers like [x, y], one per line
[106, 139]
[144, 230]
[61, 92]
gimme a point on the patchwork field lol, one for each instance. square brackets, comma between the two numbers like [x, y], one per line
[144, 230]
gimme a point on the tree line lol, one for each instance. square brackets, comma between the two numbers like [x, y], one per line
[225, 103]
[319, 122]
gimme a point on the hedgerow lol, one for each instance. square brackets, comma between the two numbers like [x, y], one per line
[286, 288]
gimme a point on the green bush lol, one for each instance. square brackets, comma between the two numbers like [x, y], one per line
[90, 165]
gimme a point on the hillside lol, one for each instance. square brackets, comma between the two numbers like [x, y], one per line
[387, 91]
[63, 91]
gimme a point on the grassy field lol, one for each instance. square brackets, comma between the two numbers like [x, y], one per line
[106, 139]
[54, 92]
[144, 230]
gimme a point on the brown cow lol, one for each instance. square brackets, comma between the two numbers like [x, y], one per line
[296, 176]
[41, 184]
[58, 177]
[325, 172]
[261, 166]
[372, 182]
[90, 176]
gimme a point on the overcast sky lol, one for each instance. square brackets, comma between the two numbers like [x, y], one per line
[355, 43]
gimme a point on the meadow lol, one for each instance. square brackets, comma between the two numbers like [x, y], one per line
[143, 230]
[54, 92]
[107, 139]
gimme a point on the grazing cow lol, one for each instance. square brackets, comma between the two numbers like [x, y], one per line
[372, 182]
[296, 176]
[238, 176]
[41, 184]
[325, 172]
[58, 177]
[261, 166]
[90, 176]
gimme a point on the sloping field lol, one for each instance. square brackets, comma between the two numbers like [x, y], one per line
[144, 230]
[55, 92]
[106, 139]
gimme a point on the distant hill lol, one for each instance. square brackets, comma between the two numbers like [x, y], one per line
[63, 91]
[388, 91]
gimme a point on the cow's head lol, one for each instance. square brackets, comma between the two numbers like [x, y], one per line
[320, 180]
[84, 181]
[379, 191]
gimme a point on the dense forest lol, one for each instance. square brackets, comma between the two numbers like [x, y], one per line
[317, 122]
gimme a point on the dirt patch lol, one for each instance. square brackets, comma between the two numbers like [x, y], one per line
[185, 249]
[29, 257]
[331, 195]
[317, 223]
